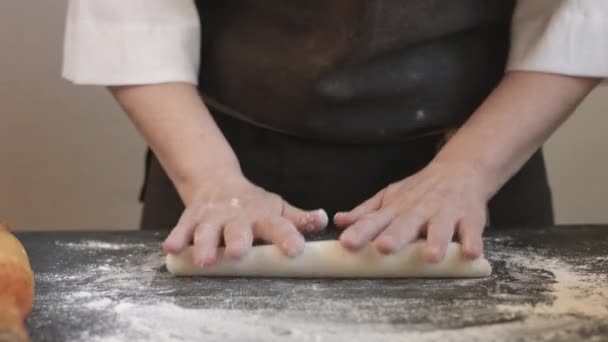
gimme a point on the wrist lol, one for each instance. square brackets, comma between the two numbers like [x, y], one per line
[485, 177]
[191, 184]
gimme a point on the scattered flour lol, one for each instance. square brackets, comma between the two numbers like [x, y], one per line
[81, 294]
[165, 321]
[575, 293]
[92, 244]
[98, 304]
[121, 290]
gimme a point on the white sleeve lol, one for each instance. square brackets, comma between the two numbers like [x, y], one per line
[560, 36]
[122, 42]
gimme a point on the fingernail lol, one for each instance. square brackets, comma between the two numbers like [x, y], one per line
[293, 253]
[291, 250]
[235, 253]
[310, 224]
[208, 260]
[433, 254]
[471, 253]
[322, 215]
[314, 220]
[350, 243]
[336, 216]
[385, 246]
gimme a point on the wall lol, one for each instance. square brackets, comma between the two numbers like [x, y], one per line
[577, 158]
[69, 159]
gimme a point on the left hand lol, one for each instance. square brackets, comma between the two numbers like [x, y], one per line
[442, 199]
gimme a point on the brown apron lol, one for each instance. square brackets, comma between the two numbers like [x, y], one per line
[325, 102]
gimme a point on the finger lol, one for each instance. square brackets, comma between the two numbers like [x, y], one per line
[181, 235]
[440, 231]
[403, 230]
[305, 221]
[282, 233]
[206, 241]
[345, 219]
[238, 238]
[366, 229]
[470, 231]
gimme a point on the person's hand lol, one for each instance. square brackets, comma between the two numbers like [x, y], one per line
[232, 209]
[441, 200]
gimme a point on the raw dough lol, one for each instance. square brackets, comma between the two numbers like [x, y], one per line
[328, 259]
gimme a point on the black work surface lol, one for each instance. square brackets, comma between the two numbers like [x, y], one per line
[547, 285]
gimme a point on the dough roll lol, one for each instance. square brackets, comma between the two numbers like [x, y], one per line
[328, 259]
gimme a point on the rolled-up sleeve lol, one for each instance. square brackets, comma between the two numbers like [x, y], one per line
[123, 42]
[561, 36]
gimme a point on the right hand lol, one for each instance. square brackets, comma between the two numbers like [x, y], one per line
[239, 211]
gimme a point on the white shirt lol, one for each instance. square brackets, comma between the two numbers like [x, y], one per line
[560, 36]
[120, 42]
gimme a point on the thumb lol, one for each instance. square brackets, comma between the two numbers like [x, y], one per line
[345, 219]
[306, 221]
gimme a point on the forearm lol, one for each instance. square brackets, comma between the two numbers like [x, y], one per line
[180, 130]
[514, 121]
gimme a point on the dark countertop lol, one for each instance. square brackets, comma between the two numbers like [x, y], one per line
[547, 285]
